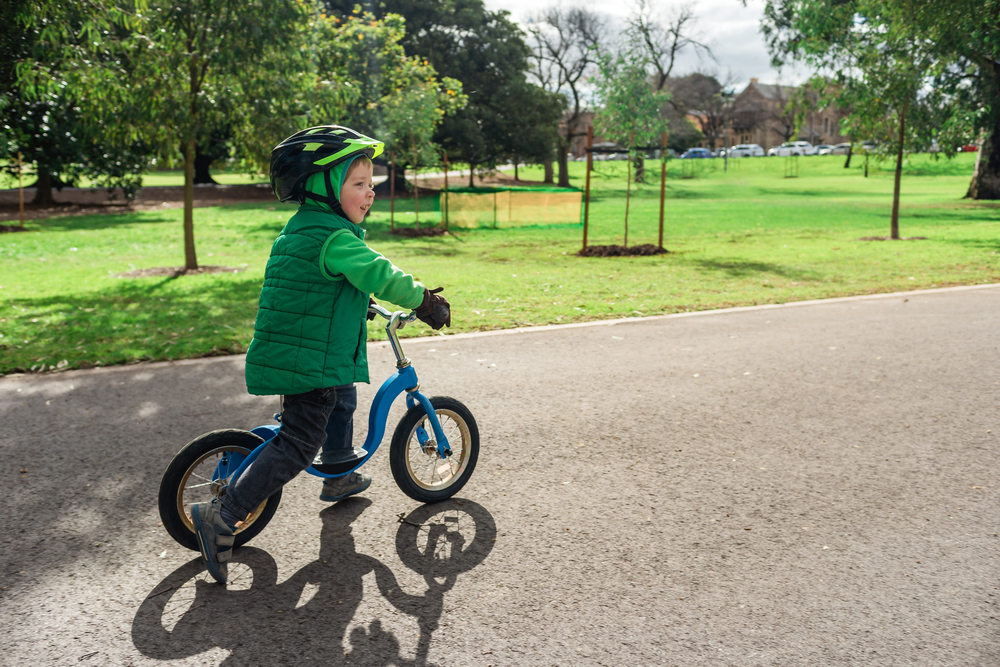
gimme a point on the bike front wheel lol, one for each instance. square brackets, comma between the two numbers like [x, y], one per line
[418, 470]
[201, 471]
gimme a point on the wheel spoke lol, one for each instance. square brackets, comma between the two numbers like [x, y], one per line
[194, 474]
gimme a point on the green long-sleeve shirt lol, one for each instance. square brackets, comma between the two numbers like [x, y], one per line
[345, 254]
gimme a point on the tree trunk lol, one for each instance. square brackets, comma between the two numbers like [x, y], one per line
[563, 167]
[516, 179]
[847, 162]
[472, 172]
[640, 167]
[201, 174]
[549, 172]
[899, 173]
[43, 194]
[190, 259]
[986, 178]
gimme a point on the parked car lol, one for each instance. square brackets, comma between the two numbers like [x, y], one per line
[823, 149]
[746, 150]
[696, 153]
[792, 148]
[968, 148]
[839, 149]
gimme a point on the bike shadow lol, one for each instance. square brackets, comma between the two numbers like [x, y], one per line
[304, 620]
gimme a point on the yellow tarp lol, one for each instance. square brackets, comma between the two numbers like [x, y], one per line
[512, 208]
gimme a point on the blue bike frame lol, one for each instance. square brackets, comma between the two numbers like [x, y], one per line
[404, 379]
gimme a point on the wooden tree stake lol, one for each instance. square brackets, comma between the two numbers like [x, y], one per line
[20, 187]
[663, 180]
[392, 193]
[586, 196]
[446, 191]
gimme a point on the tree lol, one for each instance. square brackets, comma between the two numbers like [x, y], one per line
[482, 50]
[703, 95]
[46, 126]
[958, 45]
[662, 41]
[631, 111]
[410, 117]
[566, 47]
[880, 71]
[535, 134]
[169, 72]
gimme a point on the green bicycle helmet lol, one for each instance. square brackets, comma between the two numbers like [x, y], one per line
[314, 150]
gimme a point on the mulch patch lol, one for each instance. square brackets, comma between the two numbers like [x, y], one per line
[644, 250]
[413, 232]
[889, 238]
[12, 228]
[177, 271]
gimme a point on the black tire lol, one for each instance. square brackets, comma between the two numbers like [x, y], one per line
[198, 454]
[408, 461]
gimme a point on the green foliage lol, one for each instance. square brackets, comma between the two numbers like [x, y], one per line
[630, 112]
[367, 80]
[485, 52]
[939, 58]
[45, 123]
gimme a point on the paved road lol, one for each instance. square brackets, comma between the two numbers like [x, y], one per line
[801, 485]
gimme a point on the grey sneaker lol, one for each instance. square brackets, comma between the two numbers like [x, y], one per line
[214, 537]
[339, 488]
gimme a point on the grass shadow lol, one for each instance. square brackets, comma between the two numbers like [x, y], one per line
[735, 268]
[75, 223]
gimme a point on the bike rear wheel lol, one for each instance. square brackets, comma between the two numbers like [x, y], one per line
[418, 470]
[201, 471]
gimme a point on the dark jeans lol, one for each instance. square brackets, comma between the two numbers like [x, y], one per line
[318, 418]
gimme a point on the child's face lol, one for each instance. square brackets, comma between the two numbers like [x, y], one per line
[356, 195]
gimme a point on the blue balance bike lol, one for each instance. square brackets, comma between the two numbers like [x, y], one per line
[432, 454]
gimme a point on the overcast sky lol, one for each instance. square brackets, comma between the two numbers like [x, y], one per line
[732, 30]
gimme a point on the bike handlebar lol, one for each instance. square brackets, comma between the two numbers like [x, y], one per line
[441, 313]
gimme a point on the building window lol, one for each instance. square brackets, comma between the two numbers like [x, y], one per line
[826, 125]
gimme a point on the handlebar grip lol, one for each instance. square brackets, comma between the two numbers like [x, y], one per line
[441, 312]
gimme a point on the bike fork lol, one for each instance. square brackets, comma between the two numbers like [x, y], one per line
[413, 396]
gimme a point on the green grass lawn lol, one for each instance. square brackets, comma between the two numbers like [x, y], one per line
[749, 236]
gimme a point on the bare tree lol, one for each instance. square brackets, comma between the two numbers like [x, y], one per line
[566, 44]
[664, 41]
[704, 96]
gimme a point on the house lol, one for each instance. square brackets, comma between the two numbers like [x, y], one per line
[760, 115]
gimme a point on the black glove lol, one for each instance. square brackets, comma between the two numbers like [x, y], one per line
[371, 313]
[435, 311]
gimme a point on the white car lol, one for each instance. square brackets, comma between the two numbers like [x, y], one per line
[746, 150]
[792, 148]
[823, 149]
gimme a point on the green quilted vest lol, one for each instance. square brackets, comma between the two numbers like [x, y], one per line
[310, 330]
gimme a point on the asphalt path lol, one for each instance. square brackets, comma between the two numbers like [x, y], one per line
[810, 484]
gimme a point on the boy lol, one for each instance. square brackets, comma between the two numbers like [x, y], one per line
[310, 334]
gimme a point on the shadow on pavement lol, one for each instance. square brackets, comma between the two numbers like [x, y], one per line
[304, 620]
